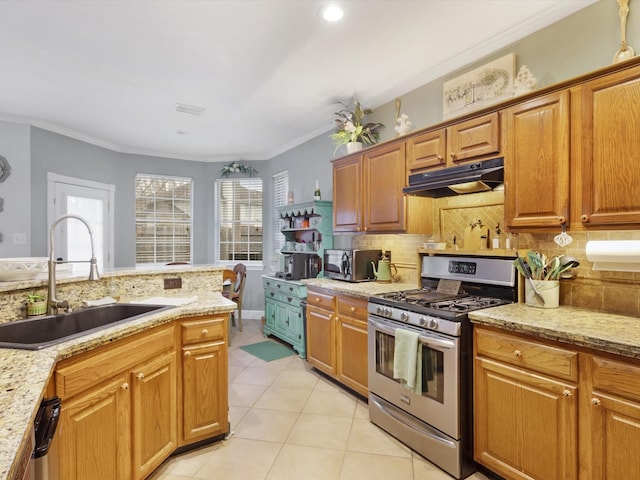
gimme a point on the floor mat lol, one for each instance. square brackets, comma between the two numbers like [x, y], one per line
[268, 350]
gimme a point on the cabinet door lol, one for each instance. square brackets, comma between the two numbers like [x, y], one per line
[321, 339]
[384, 179]
[204, 391]
[154, 413]
[94, 433]
[351, 351]
[347, 194]
[537, 162]
[610, 154]
[474, 138]
[525, 424]
[270, 310]
[426, 151]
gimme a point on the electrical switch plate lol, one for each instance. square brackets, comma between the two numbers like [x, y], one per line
[172, 283]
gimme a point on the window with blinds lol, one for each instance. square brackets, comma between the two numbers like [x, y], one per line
[280, 190]
[239, 219]
[163, 219]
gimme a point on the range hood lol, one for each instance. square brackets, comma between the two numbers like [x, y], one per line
[468, 178]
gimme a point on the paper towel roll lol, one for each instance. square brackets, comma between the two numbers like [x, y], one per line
[615, 255]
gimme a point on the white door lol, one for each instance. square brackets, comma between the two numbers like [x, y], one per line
[91, 201]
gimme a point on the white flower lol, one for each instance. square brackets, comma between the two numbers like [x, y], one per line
[349, 127]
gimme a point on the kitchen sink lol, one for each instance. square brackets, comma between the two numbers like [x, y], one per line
[41, 332]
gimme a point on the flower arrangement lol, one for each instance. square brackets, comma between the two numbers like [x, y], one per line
[350, 126]
[235, 167]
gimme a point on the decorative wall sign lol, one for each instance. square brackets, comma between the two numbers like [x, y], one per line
[479, 88]
[5, 169]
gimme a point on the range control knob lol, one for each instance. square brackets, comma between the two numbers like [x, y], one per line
[379, 310]
[387, 312]
[433, 324]
[404, 316]
[422, 321]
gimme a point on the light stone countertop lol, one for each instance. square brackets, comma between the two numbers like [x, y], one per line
[24, 374]
[358, 289]
[612, 333]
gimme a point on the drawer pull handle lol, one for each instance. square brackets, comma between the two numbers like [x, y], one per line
[595, 401]
[453, 156]
[289, 299]
[205, 331]
[140, 376]
[187, 354]
[567, 392]
[517, 353]
[291, 289]
[352, 309]
[317, 300]
[124, 386]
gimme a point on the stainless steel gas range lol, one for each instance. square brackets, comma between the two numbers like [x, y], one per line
[435, 419]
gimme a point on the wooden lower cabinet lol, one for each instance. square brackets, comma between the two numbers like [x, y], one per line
[94, 433]
[610, 425]
[546, 412]
[128, 405]
[154, 419]
[337, 337]
[205, 405]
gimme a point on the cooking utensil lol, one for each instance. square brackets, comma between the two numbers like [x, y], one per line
[625, 52]
[524, 269]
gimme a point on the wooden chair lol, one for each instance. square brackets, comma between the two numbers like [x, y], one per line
[237, 276]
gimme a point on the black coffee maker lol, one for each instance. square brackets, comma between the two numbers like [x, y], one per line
[300, 265]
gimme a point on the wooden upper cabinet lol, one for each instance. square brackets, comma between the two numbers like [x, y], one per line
[471, 140]
[347, 194]
[609, 148]
[537, 162]
[427, 150]
[474, 138]
[384, 178]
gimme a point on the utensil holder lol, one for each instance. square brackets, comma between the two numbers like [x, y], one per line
[548, 289]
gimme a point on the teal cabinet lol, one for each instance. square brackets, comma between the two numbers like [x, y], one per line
[283, 311]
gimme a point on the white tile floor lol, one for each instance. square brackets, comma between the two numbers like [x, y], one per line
[289, 422]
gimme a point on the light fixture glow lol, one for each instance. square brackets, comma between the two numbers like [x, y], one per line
[332, 13]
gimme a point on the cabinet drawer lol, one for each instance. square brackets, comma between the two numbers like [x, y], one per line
[531, 355]
[277, 285]
[84, 371]
[352, 307]
[616, 377]
[203, 330]
[321, 299]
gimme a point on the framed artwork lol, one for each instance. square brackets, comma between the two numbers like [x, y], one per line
[479, 88]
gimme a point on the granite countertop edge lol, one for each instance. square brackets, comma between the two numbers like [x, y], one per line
[24, 374]
[605, 332]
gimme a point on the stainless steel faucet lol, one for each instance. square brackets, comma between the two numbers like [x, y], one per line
[53, 304]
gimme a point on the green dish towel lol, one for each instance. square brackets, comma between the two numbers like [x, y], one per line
[407, 360]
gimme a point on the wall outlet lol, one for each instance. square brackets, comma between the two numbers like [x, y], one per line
[172, 283]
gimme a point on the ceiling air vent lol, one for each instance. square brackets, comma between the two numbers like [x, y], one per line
[190, 109]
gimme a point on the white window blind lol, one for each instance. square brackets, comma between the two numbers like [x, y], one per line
[239, 219]
[280, 190]
[163, 219]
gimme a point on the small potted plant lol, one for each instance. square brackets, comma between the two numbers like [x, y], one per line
[352, 131]
[36, 305]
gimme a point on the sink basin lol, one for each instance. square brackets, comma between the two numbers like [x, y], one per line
[41, 332]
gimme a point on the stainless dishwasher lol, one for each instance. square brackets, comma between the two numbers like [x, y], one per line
[45, 452]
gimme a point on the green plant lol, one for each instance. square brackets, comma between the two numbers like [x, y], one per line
[235, 167]
[36, 297]
[539, 267]
[350, 126]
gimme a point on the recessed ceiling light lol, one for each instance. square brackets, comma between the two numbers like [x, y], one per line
[332, 13]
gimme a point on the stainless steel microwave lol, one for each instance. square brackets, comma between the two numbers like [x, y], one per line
[350, 265]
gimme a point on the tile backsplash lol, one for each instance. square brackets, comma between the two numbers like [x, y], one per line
[614, 292]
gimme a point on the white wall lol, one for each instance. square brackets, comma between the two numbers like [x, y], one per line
[15, 218]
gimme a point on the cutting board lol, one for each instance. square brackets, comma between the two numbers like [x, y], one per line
[472, 240]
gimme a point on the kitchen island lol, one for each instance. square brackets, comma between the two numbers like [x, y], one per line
[25, 375]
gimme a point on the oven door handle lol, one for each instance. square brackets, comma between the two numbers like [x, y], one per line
[425, 340]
